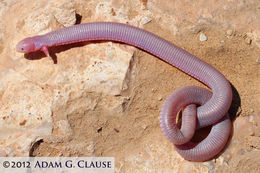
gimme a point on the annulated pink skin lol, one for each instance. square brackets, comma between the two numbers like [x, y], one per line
[207, 148]
[214, 106]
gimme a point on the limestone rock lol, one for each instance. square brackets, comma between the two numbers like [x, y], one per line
[101, 68]
[25, 115]
[232, 14]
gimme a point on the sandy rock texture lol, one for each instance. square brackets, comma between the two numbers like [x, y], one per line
[104, 98]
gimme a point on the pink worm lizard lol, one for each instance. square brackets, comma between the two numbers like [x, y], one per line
[201, 108]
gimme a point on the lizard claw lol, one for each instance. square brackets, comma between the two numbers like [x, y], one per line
[46, 52]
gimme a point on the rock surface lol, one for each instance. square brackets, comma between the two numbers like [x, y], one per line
[104, 98]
